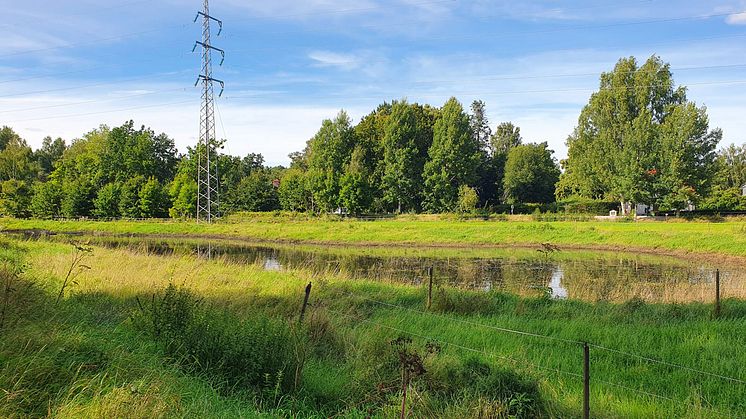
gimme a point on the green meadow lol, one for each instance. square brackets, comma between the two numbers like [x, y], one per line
[726, 238]
[97, 332]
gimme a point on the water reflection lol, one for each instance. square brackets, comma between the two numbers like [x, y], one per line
[589, 276]
[555, 284]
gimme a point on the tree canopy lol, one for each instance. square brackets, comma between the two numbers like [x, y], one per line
[639, 139]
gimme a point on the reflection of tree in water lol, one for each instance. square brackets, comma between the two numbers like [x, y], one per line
[590, 278]
[624, 279]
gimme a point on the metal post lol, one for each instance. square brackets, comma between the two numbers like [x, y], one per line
[207, 163]
[430, 287]
[586, 382]
[305, 303]
[717, 293]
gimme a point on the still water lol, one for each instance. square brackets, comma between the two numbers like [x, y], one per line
[582, 275]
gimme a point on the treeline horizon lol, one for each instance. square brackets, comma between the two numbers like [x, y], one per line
[638, 140]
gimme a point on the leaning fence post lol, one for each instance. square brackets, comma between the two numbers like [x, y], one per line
[429, 287]
[717, 293]
[586, 381]
[305, 303]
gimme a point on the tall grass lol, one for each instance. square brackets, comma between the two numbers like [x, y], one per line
[234, 353]
[350, 368]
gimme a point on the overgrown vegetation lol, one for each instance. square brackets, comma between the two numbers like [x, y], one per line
[215, 346]
[236, 353]
[404, 158]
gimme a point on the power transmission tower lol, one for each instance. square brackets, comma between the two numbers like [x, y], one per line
[208, 197]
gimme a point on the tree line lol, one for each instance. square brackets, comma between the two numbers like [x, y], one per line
[638, 140]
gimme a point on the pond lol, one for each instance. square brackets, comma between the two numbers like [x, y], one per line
[583, 275]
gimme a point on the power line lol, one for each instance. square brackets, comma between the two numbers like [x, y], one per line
[559, 75]
[558, 9]
[181, 26]
[63, 73]
[351, 10]
[93, 101]
[512, 35]
[483, 93]
[148, 76]
[104, 112]
[95, 11]
[93, 41]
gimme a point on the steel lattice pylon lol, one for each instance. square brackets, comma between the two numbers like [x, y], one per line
[208, 197]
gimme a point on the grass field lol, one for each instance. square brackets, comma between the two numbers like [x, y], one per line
[89, 355]
[677, 237]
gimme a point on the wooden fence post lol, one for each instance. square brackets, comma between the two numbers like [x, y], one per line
[305, 303]
[586, 382]
[717, 293]
[429, 287]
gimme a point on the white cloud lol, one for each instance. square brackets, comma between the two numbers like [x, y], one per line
[333, 59]
[736, 19]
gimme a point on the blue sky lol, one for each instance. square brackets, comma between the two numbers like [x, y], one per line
[68, 66]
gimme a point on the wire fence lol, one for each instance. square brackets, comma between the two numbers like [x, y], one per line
[703, 373]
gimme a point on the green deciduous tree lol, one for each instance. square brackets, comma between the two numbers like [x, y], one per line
[467, 199]
[77, 198]
[328, 154]
[487, 171]
[731, 167]
[129, 197]
[183, 189]
[153, 200]
[531, 174]
[106, 204]
[506, 137]
[15, 198]
[255, 192]
[640, 140]
[49, 153]
[355, 191]
[47, 199]
[293, 193]
[480, 125]
[401, 172]
[16, 158]
[454, 158]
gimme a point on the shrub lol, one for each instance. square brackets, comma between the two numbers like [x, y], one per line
[467, 199]
[253, 353]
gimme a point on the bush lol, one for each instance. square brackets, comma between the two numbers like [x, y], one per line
[467, 199]
[578, 205]
[234, 354]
